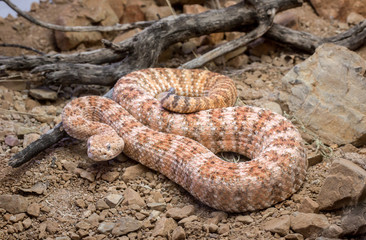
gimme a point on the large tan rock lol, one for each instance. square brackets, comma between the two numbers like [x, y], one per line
[339, 9]
[326, 93]
[86, 13]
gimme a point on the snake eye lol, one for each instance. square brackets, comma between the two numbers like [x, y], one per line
[108, 146]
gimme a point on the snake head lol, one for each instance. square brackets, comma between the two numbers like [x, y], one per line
[103, 148]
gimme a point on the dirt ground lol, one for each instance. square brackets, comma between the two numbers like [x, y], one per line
[70, 204]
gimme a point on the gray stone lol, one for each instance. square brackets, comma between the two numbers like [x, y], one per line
[309, 225]
[326, 92]
[126, 225]
[43, 94]
[13, 203]
[345, 185]
[105, 227]
[353, 223]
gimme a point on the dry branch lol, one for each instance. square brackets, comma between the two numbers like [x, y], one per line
[21, 46]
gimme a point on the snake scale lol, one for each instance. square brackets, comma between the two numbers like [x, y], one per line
[146, 121]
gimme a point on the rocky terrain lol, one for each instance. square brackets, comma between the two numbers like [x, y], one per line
[61, 194]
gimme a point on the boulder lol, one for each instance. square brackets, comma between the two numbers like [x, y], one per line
[326, 93]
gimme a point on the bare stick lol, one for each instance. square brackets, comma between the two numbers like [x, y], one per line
[21, 46]
[265, 22]
[117, 27]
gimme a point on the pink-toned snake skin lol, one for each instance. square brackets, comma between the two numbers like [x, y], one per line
[135, 124]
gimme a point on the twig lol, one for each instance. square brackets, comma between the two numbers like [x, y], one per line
[21, 46]
[171, 8]
[265, 23]
[117, 27]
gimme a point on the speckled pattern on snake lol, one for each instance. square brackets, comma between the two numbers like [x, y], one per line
[183, 146]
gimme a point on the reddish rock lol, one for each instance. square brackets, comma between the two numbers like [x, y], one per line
[194, 9]
[339, 9]
[279, 225]
[132, 197]
[11, 140]
[133, 13]
[180, 213]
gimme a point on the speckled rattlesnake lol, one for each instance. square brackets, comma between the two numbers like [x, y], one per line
[278, 159]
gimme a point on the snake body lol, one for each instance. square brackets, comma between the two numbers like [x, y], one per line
[183, 146]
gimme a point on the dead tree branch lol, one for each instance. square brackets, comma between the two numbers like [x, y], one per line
[117, 27]
[265, 18]
[21, 46]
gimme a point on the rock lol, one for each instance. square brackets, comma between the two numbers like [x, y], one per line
[132, 14]
[180, 213]
[309, 224]
[43, 94]
[110, 176]
[155, 13]
[126, 35]
[212, 228]
[34, 209]
[29, 138]
[69, 166]
[244, 219]
[11, 140]
[333, 231]
[279, 225]
[354, 18]
[101, 205]
[273, 106]
[308, 205]
[294, 236]
[85, 174]
[105, 227]
[216, 217]
[83, 225]
[38, 188]
[80, 203]
[134, 172]
[157, 206]
[223, 229]
[90, 12]
[52, 227]
[126, 225]
[344, 186]
[113, 200]
[132, 197]
[30, 104]
[27, 223]
[13, 203]
[314, 158]
[353, 223]
[118, 7]
[17, 217]
[164, 226]
[178, 234]
[339, 9]
[188, 219]
[316, 93]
